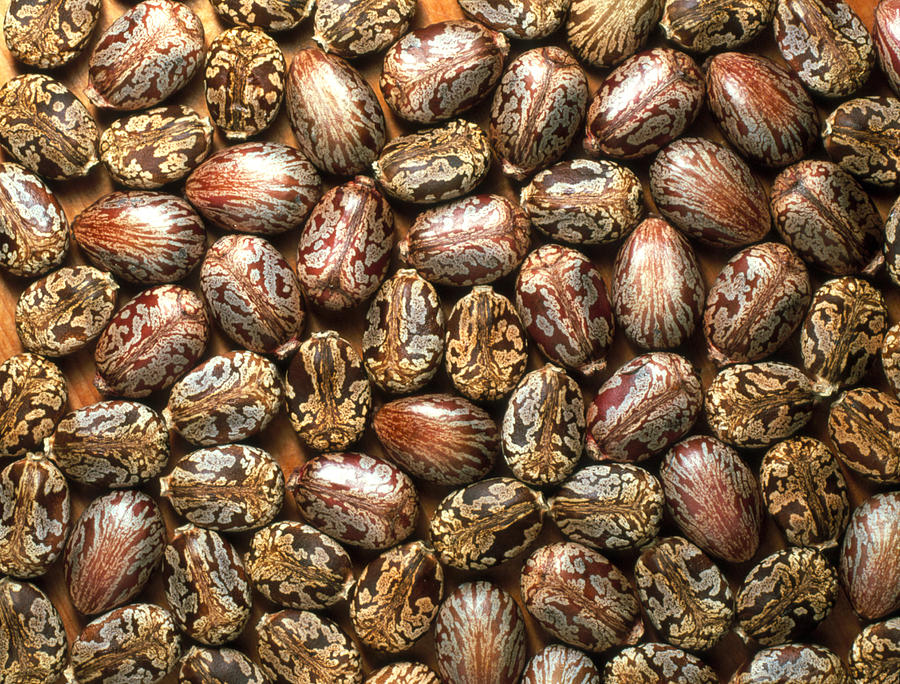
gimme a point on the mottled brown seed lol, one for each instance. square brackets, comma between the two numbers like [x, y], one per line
[657, 664]
[891, 247]
[602, 33]
[557, 663]
[890, 358]
[862, 137]
[32, 634]
[33, 397]
[269, 15]
[214, 665]
[403, 673]
[875, 653]
[864, 426]
[49, 35]
[808, 663]
[524, 19]
[354, 28]
[887, 40]
[707, 25]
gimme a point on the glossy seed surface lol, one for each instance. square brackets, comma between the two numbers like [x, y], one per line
[654, 663]
[354, 28]
[33, 397]
[602, 33]
[32, 633]
[49, 35]
[706, 25]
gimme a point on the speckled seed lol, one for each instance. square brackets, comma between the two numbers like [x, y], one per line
[147, 54]
[327, 393]
[299, 647]
[613, 506]
[890, 358]
[875, 653]
[870, 557]
[886, 32]
[253, 295]
[805, 491]
[784, 596]
[33, 398]
[49, 35]
[808, 663]
[354, 28]
[486, 523]
[523, 19]
[206, 585]
[657, 286]
[686, 597]
[827, 217]
[34, 516]
[557, 663]
[230, 489]
[864, 426]
[486, 350]
[269, 15]
[602, 33]
[244, 81]
[707, 25]
[403, 343]
[357, 499]
[142, 237]
[470, 241]
[580, 597]
[441, 163]
[537, 110]
[403, 673]
[225, 399]
[842, 333]
[296, 566]
[561, 298]
[212, 665]
[862, 136]
[891, 247]
[479, 636]
[114, 547]
[46, 128]
[137, 643]
[713, 497]
[110, 444]
[756, 303]
[709, 193]
[543, 427]
[32, 634]
[438, 438]
[646, 406]
[584, 202]
[34, 232]
[761, 108]
[657, 664]
[66, 310]
[345, 247]
[825, 43]
[397, 597]
[645, 103]
[151, 342]
[337, 120]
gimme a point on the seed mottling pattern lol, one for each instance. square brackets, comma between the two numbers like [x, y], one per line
[354, 28]
[47, 35]
[269, 15]
[706, 25]
[864, 426]
[206, 665]
[403, 673]
[32, 638]
[890, 358]
[654, 663]
[875, 653]
[602, 33]
[525, 19]
[862, 137]
[33, 397]
[557, 663]
[808, 663]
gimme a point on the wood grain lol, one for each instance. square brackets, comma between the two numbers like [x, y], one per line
[837, 631]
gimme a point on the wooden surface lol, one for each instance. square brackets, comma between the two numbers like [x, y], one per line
[836, 632]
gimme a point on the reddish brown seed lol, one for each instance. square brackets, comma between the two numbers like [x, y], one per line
[890, 358]
[561, 298]
[761, 108]
[864, 426]
[578, 596]
[479, 636]
[875, 653]
[602, 33]
[355, 498]
[141, 237]
[32, 632]
[207, 665]
[253, 295]
[891, 247]
[337, 120]
[114, 547]
[709, 193]
[256, 187]
[470, 241]
[49, 35]
[701, 26]
[713, 497]
[525, 19]
[354, 28]
[442, 70]
[862, 136]
[33, 398]
[657, 286]
[557, 663]
[269, 15]
[151, 342]
[34, 516]
[756, 303]
[657, 664]
[808, 663]
[145, 55]
[345, 248]
[403, 673]
[886, 31]
[645, 103]
[438, 438]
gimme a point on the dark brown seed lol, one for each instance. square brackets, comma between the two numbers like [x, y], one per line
[525, 19]
[230, 489]
[613, 506]
[807, 663]
[842, 333]
[708, 25]
[557, 663]
[33, 398]
[439, 438]
[403, 673]
[864, 426]
[34, 516]
[327, 393]
[46, 128]
[269, 15]
[890, 358]
[65, 311]
[486, 523]
[886, 31]
[891, 246]
[805, 492]
[206, 585]
[218, 665]
[244, 81]
[49, 35]
[875, 653]
[657, 664]
[602, 33]
[862, 136]
[32, 634]
[354, 28]
[296, 566]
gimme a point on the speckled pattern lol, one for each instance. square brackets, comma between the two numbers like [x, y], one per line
[47, 35]
[655, 663]
[602, 33]
[33, 397]
[708, 25]
[32, 638]
[808, 663]
[864, 426]
[202, 665]
[875, 653]
[862, 137]
[525, 19]
[269, 15]
[558, 663]
[353, 28]
[887, 40]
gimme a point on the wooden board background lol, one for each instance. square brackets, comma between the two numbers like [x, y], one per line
[836, 632]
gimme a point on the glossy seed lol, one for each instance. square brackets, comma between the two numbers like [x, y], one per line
[525, 19]
[886, 31]
[33, 398]
[32, 633]
[558, 663]
[207, 665]
[269, 15]
[354, 28]
[403, 673]
[808, 663]
[706, 25]
[891, 247]
[657, 664]
[602, 33]
[49, 35]
[875, 653]
[862, 136]
[890, 358]
[864, 426]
